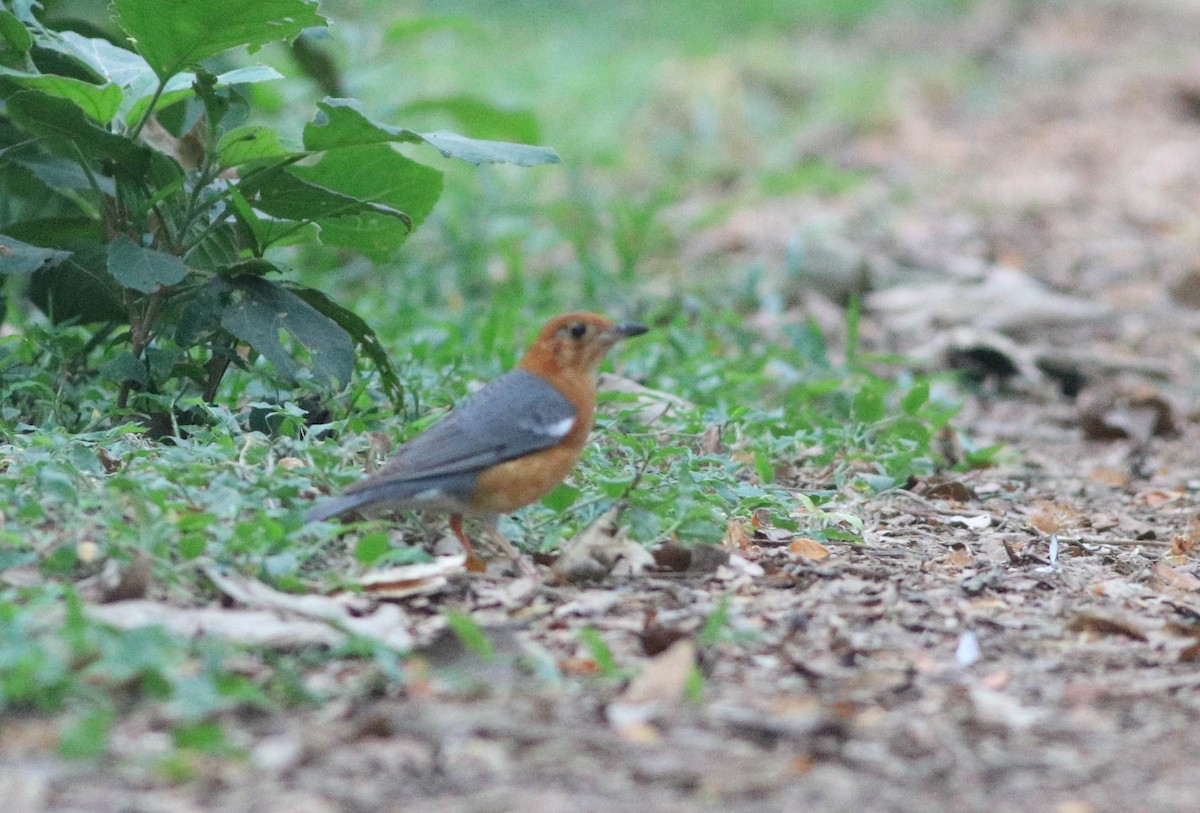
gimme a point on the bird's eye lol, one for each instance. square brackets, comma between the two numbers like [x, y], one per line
[578, 330]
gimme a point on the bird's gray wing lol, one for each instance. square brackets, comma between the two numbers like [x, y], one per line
[514, 415]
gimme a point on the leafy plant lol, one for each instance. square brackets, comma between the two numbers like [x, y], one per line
[138, 194]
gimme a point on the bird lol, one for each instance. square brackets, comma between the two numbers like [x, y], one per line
[505, 446]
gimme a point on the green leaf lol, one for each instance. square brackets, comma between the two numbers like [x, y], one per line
[143, 269]
[763, 466]
[379, 174]
[80, 291]
[206, 736]
[191, 546]
[561, 498]
[601, 654]
[14, 33]
[250, 143]
[371, 547]
[341, 123]
[124, 368]
[99, 102]
[471, 635]
[476, 151]
[176, 35]
[714, 625]
[281, 193]
[201, 315]
[61, 173]
[118, 65]
[868, 404]
[87, 737]
[21, 258]
[70, 131]
[915, 398]
[259, 310]
[363, 336]
[479, 117]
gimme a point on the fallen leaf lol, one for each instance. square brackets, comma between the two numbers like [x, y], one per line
[1187, 542]
[126, 580]
[387, 624]
[1177, 579]
[807, 548]
[1154, 499]
[246, 627]
[1109, 477]
[960, 555]
[737, 537]
[1105, 625]
[656, 690]
[740, 566]
[974, 523]
[657, 638]
[600, 549]
[952, 490]
[1054, 517]
[673, 555]
[710, 441]
[418, 579]
[1117, 409]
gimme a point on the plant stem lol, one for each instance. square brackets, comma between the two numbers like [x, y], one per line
[158, 91]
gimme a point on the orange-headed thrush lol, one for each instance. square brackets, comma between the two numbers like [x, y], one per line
[506, 445]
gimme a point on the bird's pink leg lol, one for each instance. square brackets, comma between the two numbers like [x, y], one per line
[474, 563]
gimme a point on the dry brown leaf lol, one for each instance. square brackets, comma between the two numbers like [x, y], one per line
[1109, 477]
[1154, 499]
[1115, 409]
[387, 624]
[247, 627]
[952, 490]
[710, 441]
[1054, 517]
[1187, 542]
[737, 537]
[960, 555]
[807, 548]
[656, 690]
[413, 580]
[1097, 624]
[600, 549]
[1177, 579]
[126, 580]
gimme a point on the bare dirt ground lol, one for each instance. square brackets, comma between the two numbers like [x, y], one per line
[960, 660]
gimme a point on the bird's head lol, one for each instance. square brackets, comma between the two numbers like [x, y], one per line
[575, 343]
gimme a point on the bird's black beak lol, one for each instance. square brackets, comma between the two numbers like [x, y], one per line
[627, 329]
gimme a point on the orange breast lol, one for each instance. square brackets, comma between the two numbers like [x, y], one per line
[512, 485]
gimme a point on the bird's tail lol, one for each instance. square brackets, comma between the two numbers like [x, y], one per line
[337, 506]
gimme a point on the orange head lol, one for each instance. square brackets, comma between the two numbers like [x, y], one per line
[574, 345]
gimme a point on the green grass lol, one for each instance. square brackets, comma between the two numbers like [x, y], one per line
[650, 106]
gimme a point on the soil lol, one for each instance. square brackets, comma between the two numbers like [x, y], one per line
[1022, 637]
